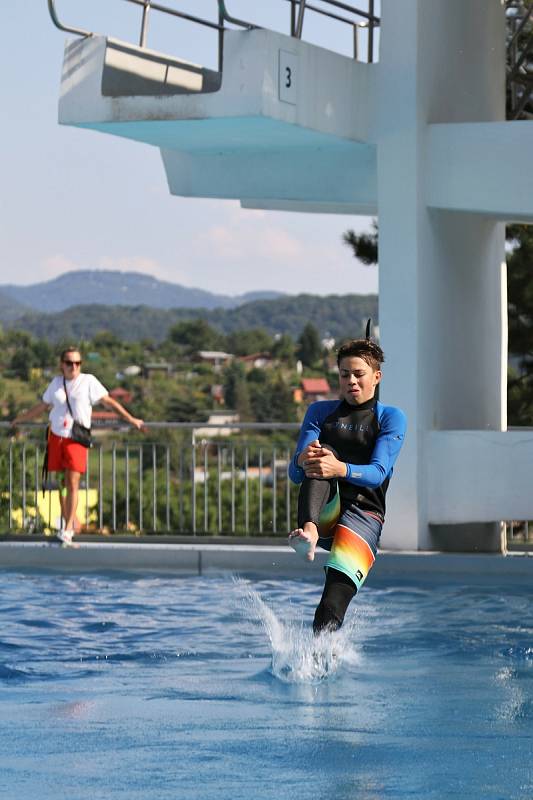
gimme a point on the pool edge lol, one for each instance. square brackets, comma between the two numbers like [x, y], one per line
[269, 560]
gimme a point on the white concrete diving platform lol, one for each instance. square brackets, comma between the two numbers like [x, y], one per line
[282, 109]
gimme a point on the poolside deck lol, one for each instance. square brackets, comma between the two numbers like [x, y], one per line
[260, 557]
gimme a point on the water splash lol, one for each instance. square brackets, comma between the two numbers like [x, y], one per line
[518, 653]
[298, 656]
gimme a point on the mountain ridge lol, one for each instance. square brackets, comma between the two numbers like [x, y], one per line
[116, 288]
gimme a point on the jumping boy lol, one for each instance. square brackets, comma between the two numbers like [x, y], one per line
[344, 461]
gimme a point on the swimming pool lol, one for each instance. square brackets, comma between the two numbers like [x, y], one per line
[162, 687]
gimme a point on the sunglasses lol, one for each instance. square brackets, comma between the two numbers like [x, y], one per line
[71, 363]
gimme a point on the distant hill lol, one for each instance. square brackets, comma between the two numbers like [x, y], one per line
[112, 287]
[10, 309]
[340, 316]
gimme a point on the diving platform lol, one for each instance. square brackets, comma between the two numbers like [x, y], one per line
[422, 138]
[281, 109]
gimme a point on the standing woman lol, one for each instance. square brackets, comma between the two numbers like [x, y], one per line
[69, 398]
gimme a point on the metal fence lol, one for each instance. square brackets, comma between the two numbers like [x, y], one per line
[190, 481]
[179, 478]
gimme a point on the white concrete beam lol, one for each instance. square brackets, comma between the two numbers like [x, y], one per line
[483, 167]
[479, 476]
[365, 209]
[340, 176]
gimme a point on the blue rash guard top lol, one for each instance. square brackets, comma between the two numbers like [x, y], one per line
[367, 437]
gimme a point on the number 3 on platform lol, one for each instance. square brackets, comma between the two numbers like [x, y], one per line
[288, 71]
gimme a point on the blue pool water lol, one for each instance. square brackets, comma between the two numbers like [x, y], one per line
[161, 687]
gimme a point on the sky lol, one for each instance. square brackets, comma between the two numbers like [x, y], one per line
[74, 199]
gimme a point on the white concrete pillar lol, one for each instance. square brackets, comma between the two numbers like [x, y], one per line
[442, 319]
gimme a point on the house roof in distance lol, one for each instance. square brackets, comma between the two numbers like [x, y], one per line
[315, 386]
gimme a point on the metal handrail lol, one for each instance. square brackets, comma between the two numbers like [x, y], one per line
[300, 20]
[147, 6]
[228, 18]
[370, 20]
[111, 425]
[62, 27]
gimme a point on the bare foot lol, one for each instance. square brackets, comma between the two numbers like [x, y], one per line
[304, 543]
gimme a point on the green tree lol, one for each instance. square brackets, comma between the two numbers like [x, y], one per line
[519, 94]
[236, 393]
[15, 338]
[194, 335]
[12, 406]
[364, 245]
[257, 376]
[273, 402]
[246, 342]
[520, 293]
[243, 405]
[44, 353]
[284, 348]
[22, 361]
[309, 346]
[106, 340]
[182, 409]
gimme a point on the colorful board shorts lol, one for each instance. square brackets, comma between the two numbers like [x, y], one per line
[63, 454]
[352, 537]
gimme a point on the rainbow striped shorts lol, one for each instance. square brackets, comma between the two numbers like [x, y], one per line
[352, 540]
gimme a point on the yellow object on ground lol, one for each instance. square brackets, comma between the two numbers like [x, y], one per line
[49, 510]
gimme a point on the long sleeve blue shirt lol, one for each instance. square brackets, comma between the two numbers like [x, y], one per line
[367, 438]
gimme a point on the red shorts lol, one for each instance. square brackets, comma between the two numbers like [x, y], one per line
[63, 454]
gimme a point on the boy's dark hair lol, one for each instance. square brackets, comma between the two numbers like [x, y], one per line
[69, 350]
[366, 349]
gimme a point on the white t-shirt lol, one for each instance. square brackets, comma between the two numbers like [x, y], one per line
[83, 392]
